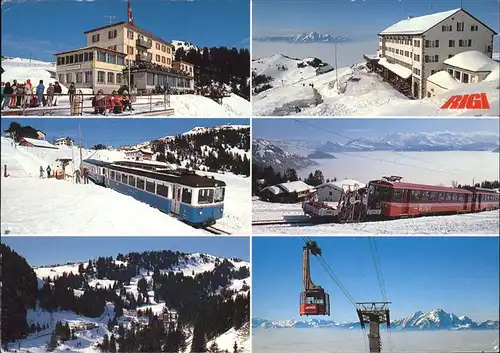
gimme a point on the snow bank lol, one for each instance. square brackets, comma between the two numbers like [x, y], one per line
[472, 60]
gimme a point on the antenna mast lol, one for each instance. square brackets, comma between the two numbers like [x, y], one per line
[110, 18]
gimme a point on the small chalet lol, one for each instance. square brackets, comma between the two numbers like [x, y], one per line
[64, 141]
[29, 142]
[332, 191]
[139, 155]
[294, 191]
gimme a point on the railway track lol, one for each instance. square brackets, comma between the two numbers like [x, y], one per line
[217, 231]
[282, 222]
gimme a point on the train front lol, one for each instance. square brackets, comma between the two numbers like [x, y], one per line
[379, 195]
[208, 204]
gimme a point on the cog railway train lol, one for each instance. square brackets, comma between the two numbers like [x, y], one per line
[192, 198]
[390, 198]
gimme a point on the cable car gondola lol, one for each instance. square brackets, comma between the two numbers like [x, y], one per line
[313, 300]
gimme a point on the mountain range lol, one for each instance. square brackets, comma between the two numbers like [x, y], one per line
[437, 319]
[265, 152]
[303, 38]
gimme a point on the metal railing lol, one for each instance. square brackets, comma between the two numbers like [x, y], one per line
[82, 104]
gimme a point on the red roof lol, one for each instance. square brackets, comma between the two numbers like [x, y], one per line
[411, 186]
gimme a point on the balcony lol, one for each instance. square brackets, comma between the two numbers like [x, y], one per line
[141, 42]
[144, 58]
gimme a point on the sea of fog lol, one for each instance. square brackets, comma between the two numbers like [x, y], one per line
[419, 167]
[327, 340]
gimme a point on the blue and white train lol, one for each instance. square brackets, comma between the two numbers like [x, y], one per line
[195, 199]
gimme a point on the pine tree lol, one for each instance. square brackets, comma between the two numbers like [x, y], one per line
[105, 343]
[214, 348]
[235, 347]
[53, 342]
[112, 344]
[198, 343]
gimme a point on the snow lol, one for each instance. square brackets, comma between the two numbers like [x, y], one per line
[227, 339]
[39, 143]
[396, 68]
[472, 60]
[354, 91]
[186, 105]
[56, 271]
[445, 80]
[296, 186]
[471, 223]
[101, 283]
[345, 184]
[419, 24]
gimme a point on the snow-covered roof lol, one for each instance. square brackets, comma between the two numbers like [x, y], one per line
[39, 143]
[396, 68]
[418, 25]
[472, 60]
[295, 186]
[274, 189]
[343, 184]
[445, 80]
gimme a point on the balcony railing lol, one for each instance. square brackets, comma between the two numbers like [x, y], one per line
[143, 58]
[140, 42]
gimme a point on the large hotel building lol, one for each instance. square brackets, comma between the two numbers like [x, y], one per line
[114, 50]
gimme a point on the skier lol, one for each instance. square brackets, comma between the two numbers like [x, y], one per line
[41, 172]
[39, 92]
[48, 171]
[77, 176]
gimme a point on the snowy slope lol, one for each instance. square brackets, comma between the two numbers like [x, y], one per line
[63, 207]
[357, 92]
[301, 38]
[265, 152]
[187, 46]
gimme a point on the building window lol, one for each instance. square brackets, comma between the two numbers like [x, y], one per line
[168, 50]
[428, 94]
[118, 79]
[460, 26]
[163, 48]
[150, 79]
[433, 72]
[450, 71]
[448, 28]
[101, 76]
[465, 78]
[130, 34]
[111, 77]
[61, 78]
[163, 59]
[59, 61]
[474, 28]
[489, 49]
[111, 58]
[130, 50]
[157, 57]
[112, 47]
[451, 43]
[457, 75]
[95, 38]
[469, 43]
[416, 43]
[416, 57]
[120, 60]
[169, 61]
[112, 34]
[101, 56]
[88, 76]
[69, 78]
[69, 59]
[158, 46]
[79, 77]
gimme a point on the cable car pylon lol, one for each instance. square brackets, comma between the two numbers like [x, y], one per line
[374, 314]
[313, 300]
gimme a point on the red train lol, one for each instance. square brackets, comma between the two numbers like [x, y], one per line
[390, 198]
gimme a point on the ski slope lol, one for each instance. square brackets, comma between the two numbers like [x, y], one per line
[470, 223]
[31, 205]
[351, 91]
[186, 105]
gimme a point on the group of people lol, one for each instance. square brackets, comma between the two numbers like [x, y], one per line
[114, 103]
[76, 174]
[24, 95]
[149, 65]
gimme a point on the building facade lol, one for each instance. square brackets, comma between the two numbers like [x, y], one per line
[92, 68]
[64, 141]
[121, 50]
[417, 47]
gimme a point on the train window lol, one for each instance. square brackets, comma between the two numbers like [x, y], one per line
[131, 181]
[205, 196]
[219, 194]
[425, 196]
[162, 190]
[441, 196]
[112, 175]
[124, 178]
[415, 195]
[186, 195]
[150, 186]
[461, 198]
[118, 176]
[397, 195]
[140, 184]
[455, 197]
[433, 196]
[448, 196]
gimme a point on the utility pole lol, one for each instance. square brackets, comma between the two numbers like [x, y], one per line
[374, 314]
[81, 143]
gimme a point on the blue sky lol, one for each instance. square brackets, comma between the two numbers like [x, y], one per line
[356, 19]
[117, 132]
[52, 26]
[456, 274]
[283, 129]
[57, 250]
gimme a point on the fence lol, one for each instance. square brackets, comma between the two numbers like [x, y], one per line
[81, 104]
